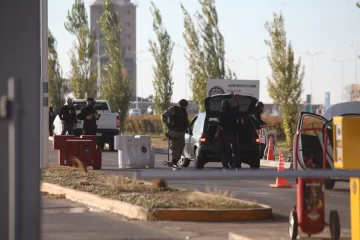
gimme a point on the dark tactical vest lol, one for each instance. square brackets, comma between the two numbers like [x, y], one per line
[179, 119]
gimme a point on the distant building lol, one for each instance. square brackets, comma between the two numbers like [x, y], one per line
[127, 13]
[355, 92]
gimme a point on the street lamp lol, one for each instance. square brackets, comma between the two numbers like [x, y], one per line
[257, 63]
[136, 92]
[356, 61]
[186, 68]
[342, 74]
[98, 66]
[234, 61]
[312, 55]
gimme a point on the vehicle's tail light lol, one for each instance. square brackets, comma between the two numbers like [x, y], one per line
[203, 140]
[256, 138]
[118, 121]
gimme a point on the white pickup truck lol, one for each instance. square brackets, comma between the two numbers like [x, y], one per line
[108, 125]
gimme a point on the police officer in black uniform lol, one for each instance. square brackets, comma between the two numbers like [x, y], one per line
[177, 122]
[89, 115]
[259, 109]
[67, 116]
[230, 136]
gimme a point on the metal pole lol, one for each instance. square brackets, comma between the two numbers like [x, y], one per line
[44, 120]
[257, 73]
[312, 55]
[21, 56]
[342, 75]
[342, 81]
[244, 174]
[311, 83]
[356, 67]
[15, 163]
[257, 60]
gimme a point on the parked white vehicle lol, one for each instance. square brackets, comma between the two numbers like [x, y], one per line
[108, 125]
[311, 145]
[134, 112]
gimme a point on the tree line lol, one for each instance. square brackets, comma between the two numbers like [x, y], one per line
[205, 52]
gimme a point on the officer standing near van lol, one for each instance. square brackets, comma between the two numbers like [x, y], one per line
[67, 116]
[89, 115]
[229, 133]
[177, 121]
[259, 109]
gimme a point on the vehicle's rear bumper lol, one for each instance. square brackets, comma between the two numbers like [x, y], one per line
[247, 153]
[104, 135]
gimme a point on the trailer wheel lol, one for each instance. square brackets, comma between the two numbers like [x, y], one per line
[293, 225]
[334, 225]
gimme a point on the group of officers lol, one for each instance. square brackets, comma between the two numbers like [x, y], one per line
[177, 122]
[68, 117]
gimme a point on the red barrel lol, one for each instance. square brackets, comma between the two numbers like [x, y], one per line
[311, 205]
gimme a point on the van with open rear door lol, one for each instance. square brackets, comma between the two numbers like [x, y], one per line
[200, 144]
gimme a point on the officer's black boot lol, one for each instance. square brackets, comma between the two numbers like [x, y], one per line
[174, 165]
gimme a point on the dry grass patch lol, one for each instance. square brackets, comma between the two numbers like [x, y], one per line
[157, 194]
[53, 196]
[159, 142]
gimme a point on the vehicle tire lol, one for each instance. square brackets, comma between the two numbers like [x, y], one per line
[293, 225]
[199, 161]
[329, 183]
[184, 162]
[334, 223]
[255, 163]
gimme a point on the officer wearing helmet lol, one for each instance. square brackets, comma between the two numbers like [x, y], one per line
[259, 109]
[67, 116]
[89, 115]
[177, 122]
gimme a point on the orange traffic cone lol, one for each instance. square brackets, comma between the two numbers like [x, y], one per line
[281, 181]
[270, 153]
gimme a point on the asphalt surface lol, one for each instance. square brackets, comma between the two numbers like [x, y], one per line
[65, 220]
[281, 200]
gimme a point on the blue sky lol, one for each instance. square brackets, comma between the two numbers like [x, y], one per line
[328, 26]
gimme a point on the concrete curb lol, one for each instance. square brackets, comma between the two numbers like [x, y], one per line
[233, 236]
[136, 212]
[114, 206]
[160, 150]
[274, 164]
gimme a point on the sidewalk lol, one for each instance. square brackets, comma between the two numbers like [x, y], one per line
[64, 220]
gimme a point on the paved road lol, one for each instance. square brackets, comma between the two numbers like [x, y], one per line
[64, 220]
[281, 200]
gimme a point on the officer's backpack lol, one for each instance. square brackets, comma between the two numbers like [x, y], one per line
[179, 119]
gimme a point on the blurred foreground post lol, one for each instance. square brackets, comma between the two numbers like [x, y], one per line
[19, 134]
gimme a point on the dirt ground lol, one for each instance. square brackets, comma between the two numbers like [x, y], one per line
[155, 194]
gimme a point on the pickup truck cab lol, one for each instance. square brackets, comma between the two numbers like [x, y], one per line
[108, 125]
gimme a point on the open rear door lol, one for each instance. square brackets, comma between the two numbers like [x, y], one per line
[213, 103]
[309, 144]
